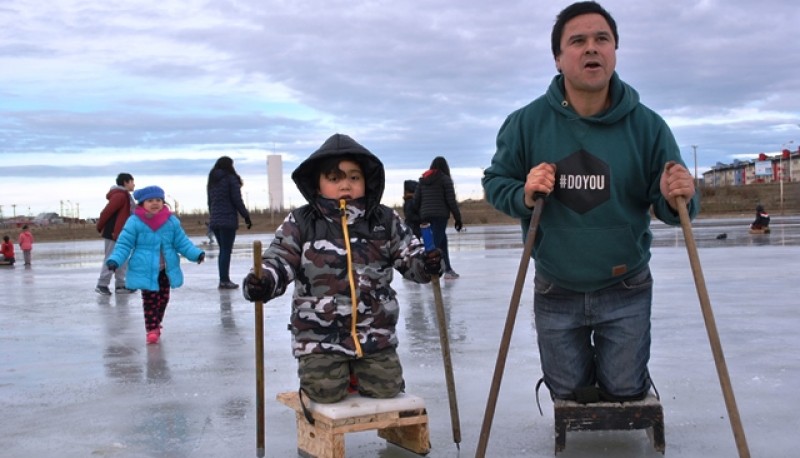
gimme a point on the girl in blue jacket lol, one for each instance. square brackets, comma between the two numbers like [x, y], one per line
[153, 239]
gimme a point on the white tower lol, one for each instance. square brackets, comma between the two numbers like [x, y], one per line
[275, 182]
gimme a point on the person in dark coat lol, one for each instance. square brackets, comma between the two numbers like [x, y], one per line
[435, 200]
[225, 204]
[762, 218]
[410, 215]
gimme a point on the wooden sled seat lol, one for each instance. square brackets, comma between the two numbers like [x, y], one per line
[763, 230]
[645, 414]
[401, 420]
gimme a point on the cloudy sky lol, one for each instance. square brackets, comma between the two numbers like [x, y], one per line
[161, 89]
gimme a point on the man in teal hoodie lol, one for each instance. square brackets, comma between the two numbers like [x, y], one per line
[602, 159]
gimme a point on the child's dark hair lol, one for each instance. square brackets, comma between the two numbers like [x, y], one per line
[123, 178]
[573, 11]
[330, 165]
[6, 238]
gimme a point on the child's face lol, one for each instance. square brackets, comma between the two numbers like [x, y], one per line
[153, 205]
[350, 185]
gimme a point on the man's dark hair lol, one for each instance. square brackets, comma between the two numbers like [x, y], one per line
[573, 11]
[123, 178]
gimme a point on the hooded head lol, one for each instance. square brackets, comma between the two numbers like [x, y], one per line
[148, 192]
[306, 175]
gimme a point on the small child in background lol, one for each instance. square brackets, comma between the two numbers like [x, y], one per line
[341, 250]
[209, 233]
[153, 239]
[26, 244]
[7, 251]
[409, 207]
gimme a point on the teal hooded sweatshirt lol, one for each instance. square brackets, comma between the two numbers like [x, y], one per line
[595, 225]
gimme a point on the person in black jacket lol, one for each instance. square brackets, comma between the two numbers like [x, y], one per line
[762, 219]
[435, 200]
[224, 207]
[410, 215]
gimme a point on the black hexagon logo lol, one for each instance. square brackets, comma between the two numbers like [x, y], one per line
[583, 181]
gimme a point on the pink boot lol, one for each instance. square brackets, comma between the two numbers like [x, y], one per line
[153, 336]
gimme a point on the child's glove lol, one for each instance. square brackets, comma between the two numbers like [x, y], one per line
[112, 266]
[201, 258]
[433, 262]
[248, 223]
[258, 288]
[459, 225]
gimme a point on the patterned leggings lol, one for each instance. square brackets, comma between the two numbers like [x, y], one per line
[155, 303]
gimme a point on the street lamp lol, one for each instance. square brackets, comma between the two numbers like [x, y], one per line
[694, 147]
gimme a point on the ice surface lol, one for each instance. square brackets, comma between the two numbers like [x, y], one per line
[78, 380]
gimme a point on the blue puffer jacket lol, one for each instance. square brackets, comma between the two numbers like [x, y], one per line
[144, 245]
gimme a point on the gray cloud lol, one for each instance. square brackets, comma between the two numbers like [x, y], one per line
[408, 79]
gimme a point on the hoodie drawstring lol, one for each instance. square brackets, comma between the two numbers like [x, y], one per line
[351, 277]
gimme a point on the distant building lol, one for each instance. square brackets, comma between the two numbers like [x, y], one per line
[765, 169]
[47, 218]
[275, 182]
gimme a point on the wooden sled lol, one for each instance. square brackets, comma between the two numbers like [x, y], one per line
[645, 414]
[401, 420]
[763, 230]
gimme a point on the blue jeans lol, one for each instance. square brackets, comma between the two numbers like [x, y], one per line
[600, 338]
[439, 232]
[225, 238]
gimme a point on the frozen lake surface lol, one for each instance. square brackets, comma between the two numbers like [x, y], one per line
[77, 380]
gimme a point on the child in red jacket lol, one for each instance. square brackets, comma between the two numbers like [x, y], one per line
[7, 251]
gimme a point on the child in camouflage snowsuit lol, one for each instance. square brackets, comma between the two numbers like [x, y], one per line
[340, 251]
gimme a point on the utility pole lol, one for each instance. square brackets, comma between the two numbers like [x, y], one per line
[696, 182]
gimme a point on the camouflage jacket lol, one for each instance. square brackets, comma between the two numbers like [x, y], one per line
[309, 249]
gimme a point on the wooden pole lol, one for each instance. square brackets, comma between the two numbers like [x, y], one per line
[259, 316]
[711, 328]
[505, 341]
[444, 341]
[448, 364]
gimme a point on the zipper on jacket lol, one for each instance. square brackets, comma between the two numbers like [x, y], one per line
[351, 277]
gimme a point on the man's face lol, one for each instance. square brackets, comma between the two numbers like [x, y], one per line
[129, 185]
[588, 54]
